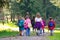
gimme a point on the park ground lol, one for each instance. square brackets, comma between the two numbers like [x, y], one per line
[10, 31]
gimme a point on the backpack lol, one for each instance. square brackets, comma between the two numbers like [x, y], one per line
[25, 24]
[21, 23]
[51, 24]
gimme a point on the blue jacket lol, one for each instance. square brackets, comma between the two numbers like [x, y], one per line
[20, 23]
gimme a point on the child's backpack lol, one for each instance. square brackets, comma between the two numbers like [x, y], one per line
[51, 24]
[21, 23]
[25, 24]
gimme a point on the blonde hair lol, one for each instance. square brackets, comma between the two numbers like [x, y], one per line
[38, 14]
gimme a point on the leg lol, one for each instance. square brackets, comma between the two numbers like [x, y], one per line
[33, 29]
[38, 32]
[27, 32]
[51, 32]
[23, 33]
[20, 33]
[41, 31]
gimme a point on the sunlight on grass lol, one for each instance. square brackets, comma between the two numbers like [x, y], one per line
[13, 25]
[10, 26]
[57, 31]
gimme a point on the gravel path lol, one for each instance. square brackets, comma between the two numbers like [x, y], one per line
[26, 38]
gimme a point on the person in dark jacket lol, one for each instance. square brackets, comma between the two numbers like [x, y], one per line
[33, 22]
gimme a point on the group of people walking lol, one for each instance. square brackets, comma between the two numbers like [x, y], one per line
[37, 23]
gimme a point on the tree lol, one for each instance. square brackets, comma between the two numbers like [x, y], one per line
[45, 7]
[2, 5]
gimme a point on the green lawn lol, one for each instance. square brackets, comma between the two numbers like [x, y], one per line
[8, 33]
[55, 37]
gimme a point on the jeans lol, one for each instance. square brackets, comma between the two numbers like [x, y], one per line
[51, 32]
[41, 31]
[28, 32]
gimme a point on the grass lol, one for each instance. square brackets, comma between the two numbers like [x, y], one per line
[55, 37]
[11, 24]
[58, 26]
[10, 33]
[33, 33]
[7, 33]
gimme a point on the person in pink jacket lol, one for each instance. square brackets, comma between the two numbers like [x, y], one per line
[27, 25]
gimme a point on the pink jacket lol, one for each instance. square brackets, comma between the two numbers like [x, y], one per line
[27, 21]
[43, 24]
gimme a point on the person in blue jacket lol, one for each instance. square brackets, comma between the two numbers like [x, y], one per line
[21, 25]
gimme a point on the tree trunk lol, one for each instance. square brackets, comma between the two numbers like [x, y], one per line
[11, 17]
[14, 17]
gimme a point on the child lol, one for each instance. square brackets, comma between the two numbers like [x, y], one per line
[51, 25]
[27, 25]
[33, 22]
[43, 25]
[38, 24]
[21, 25]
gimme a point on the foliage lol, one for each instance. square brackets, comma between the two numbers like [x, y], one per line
[46, 8]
